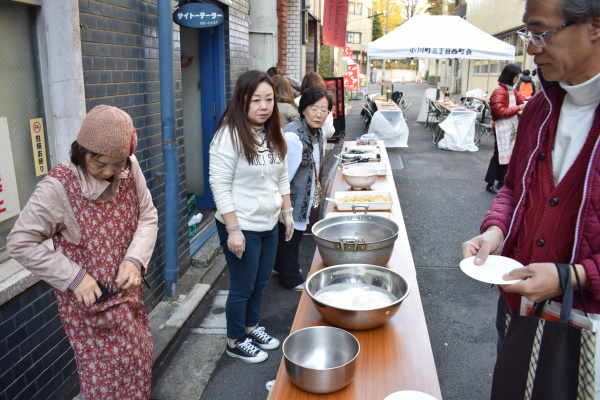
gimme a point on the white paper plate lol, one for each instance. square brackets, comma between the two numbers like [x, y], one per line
[492, 270]
[410, 395]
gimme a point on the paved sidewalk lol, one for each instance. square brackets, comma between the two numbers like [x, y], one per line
[443, 200]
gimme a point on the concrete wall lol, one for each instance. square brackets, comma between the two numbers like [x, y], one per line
[264, 35]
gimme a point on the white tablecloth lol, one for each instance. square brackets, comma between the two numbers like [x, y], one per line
[391, 127]
[459, 131]
[429, 94]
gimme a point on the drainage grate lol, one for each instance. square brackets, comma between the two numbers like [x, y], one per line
[395, 161]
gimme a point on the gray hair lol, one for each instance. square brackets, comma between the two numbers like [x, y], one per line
[579, 11]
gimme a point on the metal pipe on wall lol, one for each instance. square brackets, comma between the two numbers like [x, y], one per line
[169, 144]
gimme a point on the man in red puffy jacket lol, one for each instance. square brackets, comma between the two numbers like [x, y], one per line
[549, 208]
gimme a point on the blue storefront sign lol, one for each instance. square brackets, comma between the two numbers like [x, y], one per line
[198, 15]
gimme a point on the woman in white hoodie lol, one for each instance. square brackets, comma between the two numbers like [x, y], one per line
[249, 181]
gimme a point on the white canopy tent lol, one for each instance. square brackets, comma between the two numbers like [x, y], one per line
[440, 37]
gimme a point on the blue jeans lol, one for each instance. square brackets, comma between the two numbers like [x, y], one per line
[248, 277]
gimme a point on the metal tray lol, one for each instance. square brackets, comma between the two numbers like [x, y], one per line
[373, 205]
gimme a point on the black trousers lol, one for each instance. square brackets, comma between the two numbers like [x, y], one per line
[496, 172]
[286, 260]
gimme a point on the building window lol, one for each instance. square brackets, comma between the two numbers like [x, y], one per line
[20, 84]
[353, 37]
[355, 8]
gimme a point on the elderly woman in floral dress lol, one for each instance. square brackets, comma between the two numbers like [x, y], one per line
[96, 208]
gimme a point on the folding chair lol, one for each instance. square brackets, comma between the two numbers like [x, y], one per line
[484, 125]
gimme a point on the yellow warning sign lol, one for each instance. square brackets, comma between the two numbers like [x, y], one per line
[39, 146]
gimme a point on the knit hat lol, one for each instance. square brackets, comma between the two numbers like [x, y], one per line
[108, 131]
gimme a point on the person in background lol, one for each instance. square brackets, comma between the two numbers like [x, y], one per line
[285, 99]
[304, 138]
[273, 71]
[505, 103]
[548, 211]
[526, 86]
[96, 208]
[249, 180]
[313, 79]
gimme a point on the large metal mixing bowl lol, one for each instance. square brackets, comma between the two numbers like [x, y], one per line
[320, 359]
[356, 239]
[374, 275]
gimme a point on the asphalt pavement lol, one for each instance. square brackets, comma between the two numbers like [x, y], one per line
[443, 199]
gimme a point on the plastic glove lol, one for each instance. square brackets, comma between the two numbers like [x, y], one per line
[236, 243]
[288, 221]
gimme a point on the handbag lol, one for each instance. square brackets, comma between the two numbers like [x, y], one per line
[542, 359]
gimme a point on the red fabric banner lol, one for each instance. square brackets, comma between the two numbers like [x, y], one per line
[351, 78]
[347, 52]
[334, 22]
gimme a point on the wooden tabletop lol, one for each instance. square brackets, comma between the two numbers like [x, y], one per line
[395, 356]
[452, 107]
[383, 105]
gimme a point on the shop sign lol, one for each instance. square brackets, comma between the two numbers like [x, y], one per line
[38, 145]
[198, 15]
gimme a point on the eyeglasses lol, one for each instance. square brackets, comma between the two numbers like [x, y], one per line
[317, 110]
[540, 40]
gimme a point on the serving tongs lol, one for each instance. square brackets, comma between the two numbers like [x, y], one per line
[356, 158]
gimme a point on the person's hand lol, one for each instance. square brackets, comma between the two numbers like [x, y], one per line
[88, 290]
[288, 221]
[521, 106]
[236, 242]
[540, 282]
[128, 276]
[489, 242]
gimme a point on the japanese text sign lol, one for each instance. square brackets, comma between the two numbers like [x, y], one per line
[351, 78]
[198, 15]
[38, 143]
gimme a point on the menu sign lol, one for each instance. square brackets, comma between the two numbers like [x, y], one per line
[9, 196]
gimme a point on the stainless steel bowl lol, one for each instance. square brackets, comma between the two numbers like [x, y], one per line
[320, 359]
[357, 273]
[356, 239]
[360, 177]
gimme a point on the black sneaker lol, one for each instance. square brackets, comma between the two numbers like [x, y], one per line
[246, 351]
[262, 339]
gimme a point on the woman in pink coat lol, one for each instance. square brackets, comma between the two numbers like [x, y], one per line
[98, 212]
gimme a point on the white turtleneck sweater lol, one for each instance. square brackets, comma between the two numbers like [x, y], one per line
[574, 124]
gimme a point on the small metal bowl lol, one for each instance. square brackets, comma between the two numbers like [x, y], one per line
[357, 273]
[321, 359]
[360, 177]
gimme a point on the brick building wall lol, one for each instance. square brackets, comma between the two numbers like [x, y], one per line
[294, 40]
[237, 44]
[282, 34]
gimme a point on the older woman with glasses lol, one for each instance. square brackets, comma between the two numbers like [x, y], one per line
[304, 138]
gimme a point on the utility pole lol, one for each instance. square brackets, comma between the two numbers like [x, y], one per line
[444, 7]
